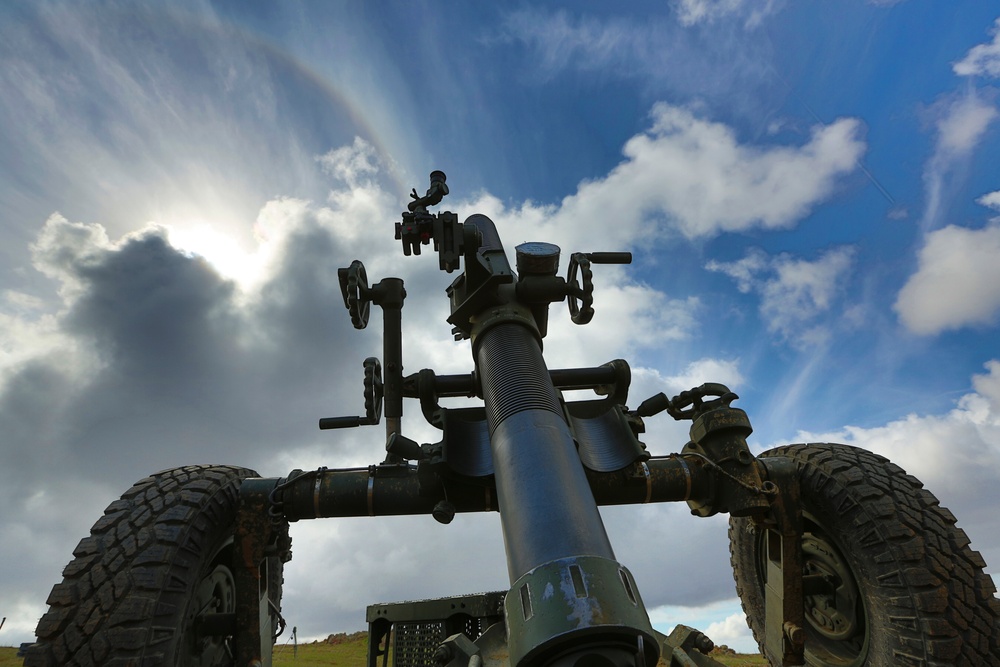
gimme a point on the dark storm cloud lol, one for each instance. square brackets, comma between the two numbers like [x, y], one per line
[156, 315]
[177, 351]
[29, 405]
[161, 364]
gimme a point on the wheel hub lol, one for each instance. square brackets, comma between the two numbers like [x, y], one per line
[216, 594]
[832, 613]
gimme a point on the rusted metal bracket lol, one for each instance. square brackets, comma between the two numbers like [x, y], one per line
[254, 634]
[782, 562]
[687, 647]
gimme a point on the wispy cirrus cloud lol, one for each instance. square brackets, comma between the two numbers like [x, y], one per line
[794, 293]
[707, 60]
[960, 124]
[162, 113]
[751, 12]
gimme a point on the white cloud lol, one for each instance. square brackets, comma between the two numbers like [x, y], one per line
[27, 333]
[153, 361]
[690, 12]
[723, 622]
[652, 320]
[957, 282]
[988, 387]
[23, 340]
[898, 213]
[794, 292]
[990, 200]
[961, 128]
[693, 176]
[982, 59]
[802, 289]
[653, 317]
[352, 164]
[384, 559]
[724, 371]
[744, 271]
[64, 248]
[732, 632]
[700, 180]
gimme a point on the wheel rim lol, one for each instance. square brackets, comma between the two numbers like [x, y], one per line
[214, 594]
[837, 618]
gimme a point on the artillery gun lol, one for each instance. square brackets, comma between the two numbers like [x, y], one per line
[840, 558]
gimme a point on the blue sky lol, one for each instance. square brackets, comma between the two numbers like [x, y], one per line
[810, 190]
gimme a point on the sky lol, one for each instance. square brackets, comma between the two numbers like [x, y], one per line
[811, 192]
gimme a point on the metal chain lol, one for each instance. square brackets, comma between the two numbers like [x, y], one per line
[281, 620]
[276, 510]
[769, 489]
[690, 404]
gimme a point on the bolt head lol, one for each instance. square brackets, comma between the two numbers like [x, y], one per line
[442, 655]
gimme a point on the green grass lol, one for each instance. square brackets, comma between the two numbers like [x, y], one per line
[741, 660]
[352, 652]
[8, 657]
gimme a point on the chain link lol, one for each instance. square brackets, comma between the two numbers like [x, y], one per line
[276, 510]
[768, 488]
[690, 404]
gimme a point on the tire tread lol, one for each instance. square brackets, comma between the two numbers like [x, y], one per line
[123, 593]
[943, 605]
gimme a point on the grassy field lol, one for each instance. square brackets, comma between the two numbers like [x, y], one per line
[354, 650]
[8, 657]
[352, 653]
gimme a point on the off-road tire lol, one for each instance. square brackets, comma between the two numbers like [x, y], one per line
[923, 597]
[127, 598]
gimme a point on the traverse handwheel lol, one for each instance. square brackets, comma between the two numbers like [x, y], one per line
[354, 286]
[581, 293]
[374, 391]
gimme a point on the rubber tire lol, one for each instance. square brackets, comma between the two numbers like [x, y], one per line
[926, 597]
[126, 598]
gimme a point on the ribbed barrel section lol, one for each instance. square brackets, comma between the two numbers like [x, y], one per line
[514, 374]
[547, 509]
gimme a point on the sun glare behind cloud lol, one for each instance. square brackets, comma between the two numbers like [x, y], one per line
[226, 254]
